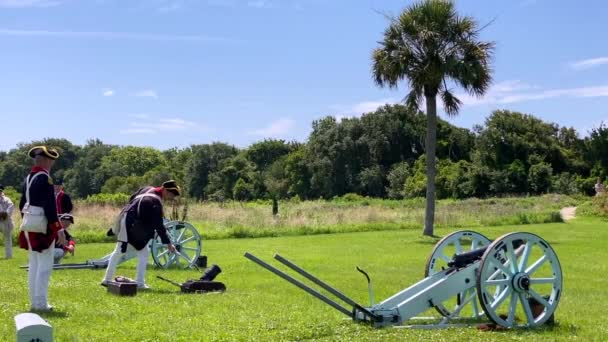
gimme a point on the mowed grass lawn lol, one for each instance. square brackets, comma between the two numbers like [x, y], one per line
[260, 306]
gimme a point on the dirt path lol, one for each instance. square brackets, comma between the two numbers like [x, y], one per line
[568, 213]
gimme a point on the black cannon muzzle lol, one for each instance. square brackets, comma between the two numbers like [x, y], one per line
[211, 273]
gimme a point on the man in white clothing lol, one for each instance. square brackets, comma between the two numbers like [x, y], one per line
[6, 222]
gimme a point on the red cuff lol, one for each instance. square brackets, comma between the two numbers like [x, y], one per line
[72, 243]
[56, 226]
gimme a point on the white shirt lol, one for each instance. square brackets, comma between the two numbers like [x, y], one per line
[6, 205]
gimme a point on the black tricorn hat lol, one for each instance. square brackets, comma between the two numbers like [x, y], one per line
[67, 217]
[172, 186]
[44, 151]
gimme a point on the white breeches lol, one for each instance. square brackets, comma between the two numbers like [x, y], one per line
[58, 254]
[7, 232]
[39, 274]
[142, 262]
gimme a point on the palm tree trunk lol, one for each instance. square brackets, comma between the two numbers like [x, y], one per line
[431, 142]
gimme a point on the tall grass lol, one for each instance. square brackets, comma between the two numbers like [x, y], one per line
[254, 219]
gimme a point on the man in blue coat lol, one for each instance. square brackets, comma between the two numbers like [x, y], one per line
[138, 221]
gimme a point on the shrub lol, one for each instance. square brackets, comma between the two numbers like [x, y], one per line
[118, 199]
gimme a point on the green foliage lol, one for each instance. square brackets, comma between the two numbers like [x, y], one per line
[128, 161]
[266, 152]
[13, 194]
[113, 199]
[539, 177]
[396, 180]
[372, 181]
[205, 161]
[242, 190]
[275, 179]
[597, 145]
[377, 154]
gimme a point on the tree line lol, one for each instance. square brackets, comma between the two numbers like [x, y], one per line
[380, 154]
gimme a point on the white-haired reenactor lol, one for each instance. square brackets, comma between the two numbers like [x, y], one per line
[6, 222]
[138, 221]
[38, 193]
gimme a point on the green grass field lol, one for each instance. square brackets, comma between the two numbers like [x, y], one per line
[260, 306]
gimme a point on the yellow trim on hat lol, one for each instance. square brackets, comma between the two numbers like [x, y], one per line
[50, 153]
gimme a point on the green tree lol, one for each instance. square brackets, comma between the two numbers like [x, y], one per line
[206, 160]
[297, 173]
[372, 181]
[430, 44]
[276, 182]
[85, 177]
[396, 180]
[242, 190]
[539, 177]
[266, 152]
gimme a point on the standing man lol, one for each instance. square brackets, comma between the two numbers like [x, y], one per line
[6, 222]
[138, 221]
[63, 200]
[39, 188]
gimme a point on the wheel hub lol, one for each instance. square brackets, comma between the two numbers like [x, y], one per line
[521, 282]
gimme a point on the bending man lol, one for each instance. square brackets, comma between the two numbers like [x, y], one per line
[138, 221]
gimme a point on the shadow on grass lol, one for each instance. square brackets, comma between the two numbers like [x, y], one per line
[52, 314]
[428, 240]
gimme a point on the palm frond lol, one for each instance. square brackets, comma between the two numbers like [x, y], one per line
[450, 102]
[413, 98]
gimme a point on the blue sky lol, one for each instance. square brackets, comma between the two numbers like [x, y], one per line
[167, 73]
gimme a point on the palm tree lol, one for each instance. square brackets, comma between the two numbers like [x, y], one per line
[431, 47]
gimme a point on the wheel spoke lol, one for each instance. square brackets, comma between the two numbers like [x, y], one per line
[475, 306]
[498, 282]
[187, 240]
[536, 265]
[189, 249]
[512, 308]
[181, 234]
[444, 257]
[538, 298]
[527, 309]
[526, 254]
[163, 253]
[502, 267]
[542, 280]
[501, 298]
[458, 246]
[512, 258]
[474, 244]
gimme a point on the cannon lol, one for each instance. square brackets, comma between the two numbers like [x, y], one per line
[514, 281]
[187, 241]
[203, 285]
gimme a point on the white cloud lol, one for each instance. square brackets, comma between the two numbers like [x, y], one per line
[497, 97]
[511, 91]
[112, 35]
[147, 125]
[147, 93]
[28, 3]
[589, 63]
[138, 131]
[276, 129]
[360, 108]
[108, 92]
